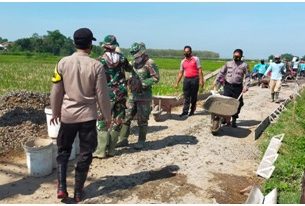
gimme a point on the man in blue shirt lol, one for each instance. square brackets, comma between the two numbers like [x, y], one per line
[277, 69]
[260, 69]
[302, 68]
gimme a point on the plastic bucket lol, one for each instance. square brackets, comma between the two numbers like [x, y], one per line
[52, 128]
[38, 157]
[72, 155]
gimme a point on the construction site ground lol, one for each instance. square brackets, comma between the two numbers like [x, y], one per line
[182, 162]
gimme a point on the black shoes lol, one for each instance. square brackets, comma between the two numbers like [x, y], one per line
[186, 114]
[183, 114]
[191, 114]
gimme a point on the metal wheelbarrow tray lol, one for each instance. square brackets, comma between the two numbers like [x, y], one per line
[166, 103]
[221, 105]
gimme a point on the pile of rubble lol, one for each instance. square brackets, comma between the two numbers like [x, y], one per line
[22, 118]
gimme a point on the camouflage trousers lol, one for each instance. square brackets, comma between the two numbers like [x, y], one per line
[141, 108]
[107, 139]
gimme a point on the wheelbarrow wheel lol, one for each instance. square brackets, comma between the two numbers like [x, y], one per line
[215, 125]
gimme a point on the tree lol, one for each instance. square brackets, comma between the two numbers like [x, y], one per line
[287, 56]
[271, 57]
[53, 43]
[96, 51]
[2, 40]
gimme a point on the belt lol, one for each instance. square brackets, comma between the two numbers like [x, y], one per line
[233, 85]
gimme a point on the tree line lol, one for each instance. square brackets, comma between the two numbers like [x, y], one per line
[55, 43]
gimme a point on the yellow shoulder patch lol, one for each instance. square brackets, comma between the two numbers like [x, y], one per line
[56, 76]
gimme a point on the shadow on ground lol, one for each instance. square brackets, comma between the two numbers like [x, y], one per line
[238, 132]
[164, 117]
[109, 184]
[248, 123]
[168, 141]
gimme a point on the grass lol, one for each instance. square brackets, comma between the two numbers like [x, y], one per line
[33, 73]
[290, 164]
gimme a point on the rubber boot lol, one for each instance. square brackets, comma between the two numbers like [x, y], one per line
[103, 139]
[62, 183]
[234, 125]
[114, 135]
[272, 97]
[276, 97]
[142, 137]
[80, 178]
[123, 137]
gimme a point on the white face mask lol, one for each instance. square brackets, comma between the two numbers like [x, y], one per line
[112, 58]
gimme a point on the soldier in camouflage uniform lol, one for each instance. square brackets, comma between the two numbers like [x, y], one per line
[115, 65]
[144, 74]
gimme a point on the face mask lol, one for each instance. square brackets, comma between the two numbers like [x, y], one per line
[138, 60]
[187, 55]
[237, 58]
[277, 61]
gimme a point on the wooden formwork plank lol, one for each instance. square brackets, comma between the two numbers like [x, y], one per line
[261, 127]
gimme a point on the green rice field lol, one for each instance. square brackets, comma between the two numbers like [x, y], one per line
[33, 73]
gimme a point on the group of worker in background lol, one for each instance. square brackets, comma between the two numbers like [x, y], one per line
[90, 97]
[277, 71]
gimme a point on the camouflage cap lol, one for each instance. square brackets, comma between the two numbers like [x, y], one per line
[110, 42]
[137, 49]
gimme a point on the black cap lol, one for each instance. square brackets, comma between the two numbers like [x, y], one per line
[83, 38]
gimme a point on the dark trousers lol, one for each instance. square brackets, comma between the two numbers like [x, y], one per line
[259, 76]
[234, 90]
[87, 142]
[190, 91]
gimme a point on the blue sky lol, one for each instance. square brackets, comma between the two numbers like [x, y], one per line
[260, 29]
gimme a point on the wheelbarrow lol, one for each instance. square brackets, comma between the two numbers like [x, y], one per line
[221, 109]
[166, 103]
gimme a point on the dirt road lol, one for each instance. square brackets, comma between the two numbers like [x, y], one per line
[181, 163]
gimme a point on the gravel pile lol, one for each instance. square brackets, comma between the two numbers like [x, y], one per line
[22, 118]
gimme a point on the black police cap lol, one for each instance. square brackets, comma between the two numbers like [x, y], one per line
[83, 37]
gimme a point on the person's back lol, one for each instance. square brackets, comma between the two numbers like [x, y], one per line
[79, 83]
[79, 71]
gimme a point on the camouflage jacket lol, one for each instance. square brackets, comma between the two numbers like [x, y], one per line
[115, 65]
[146, 75]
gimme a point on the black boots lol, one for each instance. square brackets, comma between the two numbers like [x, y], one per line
[142, 137]
[62, 183]
[272, 97]
[80, 178]
[234, 122]
[276, 97]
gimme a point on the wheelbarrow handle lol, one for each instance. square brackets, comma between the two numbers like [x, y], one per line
[241, 94]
